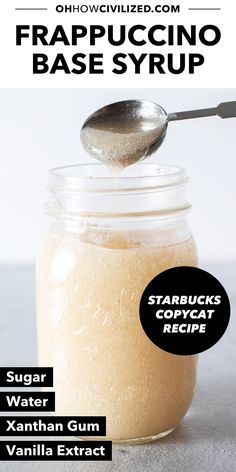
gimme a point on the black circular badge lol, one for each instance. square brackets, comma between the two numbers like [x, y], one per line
[184, 310]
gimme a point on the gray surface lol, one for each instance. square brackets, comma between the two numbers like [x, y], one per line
[206, 439]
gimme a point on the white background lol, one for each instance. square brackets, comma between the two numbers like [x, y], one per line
[40, 129]
[16, 61]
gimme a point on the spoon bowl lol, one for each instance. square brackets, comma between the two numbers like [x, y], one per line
[125, 132]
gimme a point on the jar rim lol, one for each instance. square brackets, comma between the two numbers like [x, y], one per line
[89, 191]
[96, 177]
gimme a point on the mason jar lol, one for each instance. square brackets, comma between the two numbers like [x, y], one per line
[108, 237]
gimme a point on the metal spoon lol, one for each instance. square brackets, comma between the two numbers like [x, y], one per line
[124, 132]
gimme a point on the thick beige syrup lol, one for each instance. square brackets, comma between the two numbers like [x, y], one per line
[119, 143]
[88, 295]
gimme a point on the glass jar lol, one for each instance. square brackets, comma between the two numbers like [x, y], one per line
[108, 237]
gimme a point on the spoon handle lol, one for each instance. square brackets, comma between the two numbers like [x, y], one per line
[224, 110]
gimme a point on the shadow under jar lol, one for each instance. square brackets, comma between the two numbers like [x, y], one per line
[107, 238]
